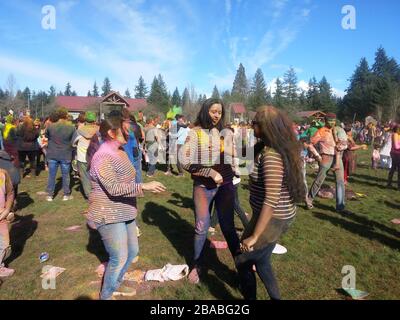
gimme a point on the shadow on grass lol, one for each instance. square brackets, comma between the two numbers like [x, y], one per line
[181, 201]
[95, 245]
[392, 205]
[369, 178]
[180, 234]
[24, 200]
[20, 232]
[359, 229]
[362, 220]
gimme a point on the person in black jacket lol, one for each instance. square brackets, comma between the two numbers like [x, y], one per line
[27, 144]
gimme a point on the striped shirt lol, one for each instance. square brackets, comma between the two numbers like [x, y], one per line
[204, 155]
[114, 191]
[268, 185]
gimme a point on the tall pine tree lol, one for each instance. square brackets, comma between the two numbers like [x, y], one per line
[258, 91]
[106, 88]
[176, 98]
[290, 86]
[95, 91]
[240, 85]
[215, 93]
[127, 93]
[278, 97]
[68, 91]
[141, 90]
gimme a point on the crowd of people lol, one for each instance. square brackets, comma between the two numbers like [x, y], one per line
[111, 155]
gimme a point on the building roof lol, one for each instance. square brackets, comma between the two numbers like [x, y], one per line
[309, 114]
[77, 104]
[238, 107]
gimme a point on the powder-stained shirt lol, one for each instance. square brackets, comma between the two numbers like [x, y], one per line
[60, 136]
[204, 156]
[326, 141]
[114, 190]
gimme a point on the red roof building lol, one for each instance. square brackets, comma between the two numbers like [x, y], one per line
[102, 105]
[237, 110]
[311, 114]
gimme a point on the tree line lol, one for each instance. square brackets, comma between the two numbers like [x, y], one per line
[372, 91]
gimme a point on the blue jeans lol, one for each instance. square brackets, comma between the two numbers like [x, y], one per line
[138, 168]
[121, 243]
[65, 170]
[261, 259]
[223, 198]
[324, 167]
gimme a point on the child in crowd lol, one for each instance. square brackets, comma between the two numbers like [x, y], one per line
[340, 137]
[376, 156]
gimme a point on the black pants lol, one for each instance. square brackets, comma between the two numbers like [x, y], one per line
[395, 166]
[32, 159]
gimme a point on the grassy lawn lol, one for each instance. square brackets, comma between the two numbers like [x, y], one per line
[319, 244]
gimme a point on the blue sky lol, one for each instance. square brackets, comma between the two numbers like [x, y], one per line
[190, 42]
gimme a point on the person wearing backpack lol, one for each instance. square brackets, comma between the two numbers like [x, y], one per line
[27, 145]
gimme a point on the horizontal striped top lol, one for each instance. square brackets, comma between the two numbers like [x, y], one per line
[268, 185]
[204, 155]
[114, 191]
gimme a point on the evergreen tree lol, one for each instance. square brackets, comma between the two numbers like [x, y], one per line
[312, 96]
[358, 102]
[26, 94]
[185, 98]
[95, 91]
[258, 91]
[159, 95]
[215, 93]
[176, 98]
[278, 97]
[290, 86]
[141, 90]
[106, 88]
[127, 93]
[240, 85]
[68, 91]
[73, 93]
[89, 94]
[226, 97]
[52, 92]
[326, 99]
[60, 94]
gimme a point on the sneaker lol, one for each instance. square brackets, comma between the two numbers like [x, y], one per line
[49, 198]
[6, 272]
[211, 229]
[168, 173]
[180, 175]
[139, 233]
[194, 275]
[124, 291]
[150, 175]
[66, 198]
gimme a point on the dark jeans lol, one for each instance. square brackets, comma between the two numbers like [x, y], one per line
[223, 198]
[395, 166]
[236, 207]
[32, 159]
[65, 169]
[85, 178]
[261, 259]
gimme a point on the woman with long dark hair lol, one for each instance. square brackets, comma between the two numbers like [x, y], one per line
[395, 154]
[28, 145]
[207, 155]
[112, 205]
[276, 185]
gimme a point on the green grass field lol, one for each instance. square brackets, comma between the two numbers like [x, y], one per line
[319, 244]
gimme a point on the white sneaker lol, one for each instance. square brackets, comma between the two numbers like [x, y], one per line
[138, 232]
[211, 229]
[49, 198]
[6, 272]
[66, 198]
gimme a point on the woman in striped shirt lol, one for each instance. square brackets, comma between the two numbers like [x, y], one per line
[112, 205]
[208, 155]
[276, 185]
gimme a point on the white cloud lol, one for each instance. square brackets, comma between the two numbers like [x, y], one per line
[43, 74]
